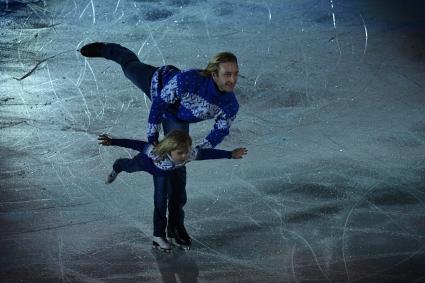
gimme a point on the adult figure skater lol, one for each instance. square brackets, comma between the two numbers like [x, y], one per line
[179, 97]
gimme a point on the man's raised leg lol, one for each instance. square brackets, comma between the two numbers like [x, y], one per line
[137, 72]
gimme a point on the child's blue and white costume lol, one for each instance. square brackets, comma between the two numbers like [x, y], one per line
[149, 162]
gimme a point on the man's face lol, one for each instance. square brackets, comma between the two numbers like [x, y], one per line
[227, 76]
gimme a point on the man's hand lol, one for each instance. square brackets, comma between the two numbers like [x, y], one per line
[239, 152]
[104, 139]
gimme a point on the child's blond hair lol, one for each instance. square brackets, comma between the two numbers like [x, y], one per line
[175, 139]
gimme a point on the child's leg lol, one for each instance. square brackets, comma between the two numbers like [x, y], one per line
[177, 197]
[137, 72]
[177, 188]
[160, 203]
[128, 165]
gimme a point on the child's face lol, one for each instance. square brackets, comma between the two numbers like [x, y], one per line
[179, 155]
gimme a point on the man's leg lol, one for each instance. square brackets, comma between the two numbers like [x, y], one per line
[137, 72]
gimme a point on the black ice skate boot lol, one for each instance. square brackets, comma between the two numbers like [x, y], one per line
[92, 49]
[178, 236]
[111, 177]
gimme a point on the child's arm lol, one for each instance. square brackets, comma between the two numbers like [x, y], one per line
[209, 153]
[104, 139]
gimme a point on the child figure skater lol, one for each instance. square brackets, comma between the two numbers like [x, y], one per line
[173, 152]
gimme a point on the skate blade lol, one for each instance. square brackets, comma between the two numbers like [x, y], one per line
[177, 245]
[155, 246]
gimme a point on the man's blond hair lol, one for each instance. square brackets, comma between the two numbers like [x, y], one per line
[175, 139]
[213, 64]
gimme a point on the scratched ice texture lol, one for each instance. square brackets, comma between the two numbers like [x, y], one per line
[332, 112]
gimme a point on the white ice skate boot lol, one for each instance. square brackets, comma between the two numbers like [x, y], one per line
[161, 243]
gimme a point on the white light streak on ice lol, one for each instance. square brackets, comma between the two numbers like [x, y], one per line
[334, 25]
[94, 14]
[365, 35]
[51, 82]
[87, 111]
[294, 275]
[36, 12]
[313, 253]
[102, 111]
[156, 44]
[46, 44]
[21, 96]
[270, 13]
[56, 95]
[75, 6]
[344, 230]
[82, 73]
[93, 11]
[94, 77]
[116, 7]
[204, 19]
[141, 47]
[19, 42]
[256, 79]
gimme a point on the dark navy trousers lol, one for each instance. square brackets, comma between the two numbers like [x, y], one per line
[171, 187]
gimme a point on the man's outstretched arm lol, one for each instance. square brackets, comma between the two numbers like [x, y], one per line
[219, 132]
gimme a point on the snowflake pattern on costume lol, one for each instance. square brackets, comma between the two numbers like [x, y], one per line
[169, 85]
[153, 129]
[154, 83]
[167, 163]
[225, 123]
[199, 107]
[205, 144]
[169, 92]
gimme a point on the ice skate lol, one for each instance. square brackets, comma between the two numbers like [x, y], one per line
[179, 237]
[161, 243]
[111, 177]
[92, 49]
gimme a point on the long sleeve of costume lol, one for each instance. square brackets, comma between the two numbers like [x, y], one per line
[219, 132]
[160, 102]
[209, 153]
[133, 144]
[140, 162]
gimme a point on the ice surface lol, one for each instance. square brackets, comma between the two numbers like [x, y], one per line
[332, 112]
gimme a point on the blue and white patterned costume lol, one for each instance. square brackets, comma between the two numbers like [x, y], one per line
[191, 98]
[150, 162]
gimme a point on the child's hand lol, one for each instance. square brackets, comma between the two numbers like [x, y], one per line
[104, 139]
[239, 152]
